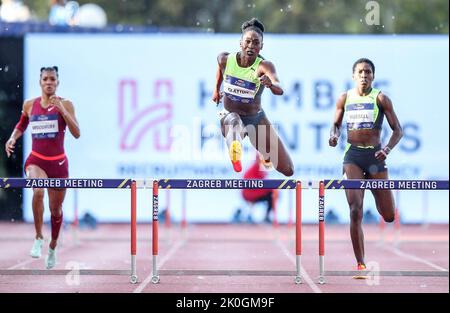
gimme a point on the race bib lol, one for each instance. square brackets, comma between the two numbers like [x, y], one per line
[44, 126]
[360, 116]
[239, 90]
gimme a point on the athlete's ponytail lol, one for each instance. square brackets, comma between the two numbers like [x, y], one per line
[254, 25]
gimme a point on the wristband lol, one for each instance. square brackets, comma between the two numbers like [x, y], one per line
[387, 150]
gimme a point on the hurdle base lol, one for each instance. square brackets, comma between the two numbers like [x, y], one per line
[155, 279]
[133, 279]
[321, 280]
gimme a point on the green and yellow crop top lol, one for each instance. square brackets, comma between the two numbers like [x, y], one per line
[363, 112]
[241, 84]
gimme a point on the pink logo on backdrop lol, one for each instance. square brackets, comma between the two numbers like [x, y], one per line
[136, 121]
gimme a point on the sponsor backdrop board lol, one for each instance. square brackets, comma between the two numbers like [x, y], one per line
[144, 108]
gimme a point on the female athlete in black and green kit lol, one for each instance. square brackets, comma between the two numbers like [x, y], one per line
[364, 156]
[245, 74]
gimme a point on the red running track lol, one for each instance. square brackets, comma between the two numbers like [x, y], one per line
[224, 258]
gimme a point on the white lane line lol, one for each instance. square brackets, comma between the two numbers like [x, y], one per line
[172, 251]
[31, 260]
[415, 258]
[303, 272]
[292, 257]
[22, 264]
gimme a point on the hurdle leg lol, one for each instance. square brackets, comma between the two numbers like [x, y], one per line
[290, 223]
[76, 222]
[425, 209]
[183, 208]
[133, 277]
[275, 207]
[321, 233]
[155, 277]
[167, 217]
[397, 219]
[298, 232]
[382, 226]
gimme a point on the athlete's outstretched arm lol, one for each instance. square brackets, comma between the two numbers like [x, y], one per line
[19, 129]
[269, 77]
[11, 143]
[222, 62]
[397, 131]
[216, 97]
[335, 131]
[65, 107]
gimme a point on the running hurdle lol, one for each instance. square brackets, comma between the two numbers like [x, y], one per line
[291, 184]
[392, 185]
[8, 183]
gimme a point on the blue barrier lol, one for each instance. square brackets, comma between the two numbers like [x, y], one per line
[387, 184]
[64, 183]
[227, 184]
[306, 184]
[224, 183]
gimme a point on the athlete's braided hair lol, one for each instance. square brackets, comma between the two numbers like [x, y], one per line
[254, 25]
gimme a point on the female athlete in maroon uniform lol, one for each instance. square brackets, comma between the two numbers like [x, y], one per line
[48, 117]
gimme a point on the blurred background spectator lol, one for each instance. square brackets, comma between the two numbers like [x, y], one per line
[57, 15]
[70, 13]
[91, 15]
[14, 11]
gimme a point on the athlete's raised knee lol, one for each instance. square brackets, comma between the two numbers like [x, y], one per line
[389, 218]
[288, 171]
[286, 168]
[231, 118]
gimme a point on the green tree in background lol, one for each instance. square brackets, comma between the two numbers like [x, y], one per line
[280, 16]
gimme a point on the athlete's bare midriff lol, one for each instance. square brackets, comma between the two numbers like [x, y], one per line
[244, 108]
[364, 137]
